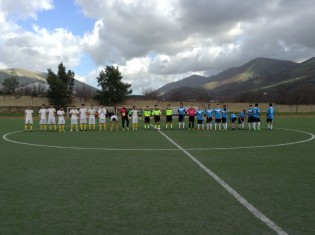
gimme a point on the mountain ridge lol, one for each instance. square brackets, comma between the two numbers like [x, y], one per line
[191, 81]
[29, 77]
[255, 75]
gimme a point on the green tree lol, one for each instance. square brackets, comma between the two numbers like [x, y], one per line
[113, 90]
[10, 84]
[60, 86]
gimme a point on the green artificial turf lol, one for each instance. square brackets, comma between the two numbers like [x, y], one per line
[87, 189]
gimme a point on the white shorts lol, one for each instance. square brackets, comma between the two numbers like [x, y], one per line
[83, 120]
[74, 121]
[42, 122]
[61, 121]
[134, 119]
[29, 121]
[51, 120]
[92, 120]
[102, 121]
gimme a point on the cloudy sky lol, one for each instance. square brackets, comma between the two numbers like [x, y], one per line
[153, 42]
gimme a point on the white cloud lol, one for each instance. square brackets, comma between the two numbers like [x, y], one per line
[2, 66]
[196, 35]
[21, 9]
[155, 42]
[38, 49]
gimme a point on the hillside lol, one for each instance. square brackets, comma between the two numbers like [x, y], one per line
[189, 82]
[260, 74]
[187, 94]
[296, 85]
[27, 77]
[249, 72]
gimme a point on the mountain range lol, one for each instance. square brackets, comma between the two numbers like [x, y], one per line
[261, 75]
[27, 78]
[258, 77]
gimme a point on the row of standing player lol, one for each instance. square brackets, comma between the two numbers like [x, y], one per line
[47, 116]
[220, 116]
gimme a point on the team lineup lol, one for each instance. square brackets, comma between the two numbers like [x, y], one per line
[208, 118]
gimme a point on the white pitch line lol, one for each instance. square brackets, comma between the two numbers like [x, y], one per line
[261, 146]
[232, 191]
[5, 137]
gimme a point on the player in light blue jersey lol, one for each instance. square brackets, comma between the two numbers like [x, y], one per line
[270, 116]
[224, 117]
[241, 120]
[200, 115]
[250, 117]
[256, 115]
[232, 120]
[181, 116]
[209, 114]
[217, 117]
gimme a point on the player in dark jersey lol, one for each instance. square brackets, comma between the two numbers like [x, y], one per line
[124, 117]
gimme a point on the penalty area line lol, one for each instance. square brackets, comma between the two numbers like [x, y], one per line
[259, 215]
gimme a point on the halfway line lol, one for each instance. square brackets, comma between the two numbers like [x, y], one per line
[233, 192]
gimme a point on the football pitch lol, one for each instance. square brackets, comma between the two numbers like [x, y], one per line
[150, 182]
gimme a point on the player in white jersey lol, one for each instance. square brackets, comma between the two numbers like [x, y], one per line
[61, 120]
[113, 119]
[134, 116]
[102, 117]
[28, 117]
[51, 118]
[43, 118]
[91, 113]
[74, 118]
[83, 117]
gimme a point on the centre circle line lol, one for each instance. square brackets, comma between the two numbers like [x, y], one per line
[5, 137]
[312, 137]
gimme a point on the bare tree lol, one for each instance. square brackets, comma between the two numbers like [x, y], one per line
[85, 92]
[202, 95]
[149, 93]
[176, 96]
[39, 89]
[36, 89]
[283, 94]
[10, 84]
